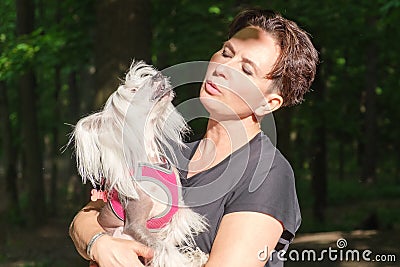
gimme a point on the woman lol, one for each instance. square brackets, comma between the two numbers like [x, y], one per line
[235, 176]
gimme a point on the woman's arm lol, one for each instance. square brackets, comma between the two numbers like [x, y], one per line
[107, 251]
[84, 226]
[240, 238]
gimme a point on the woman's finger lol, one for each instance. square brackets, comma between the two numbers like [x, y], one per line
[142, 250]
[115, 252]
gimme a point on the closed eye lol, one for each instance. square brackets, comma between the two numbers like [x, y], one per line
[247, 70]
[226, 53]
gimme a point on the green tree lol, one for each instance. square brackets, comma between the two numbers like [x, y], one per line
[123, 32]
[32, 171]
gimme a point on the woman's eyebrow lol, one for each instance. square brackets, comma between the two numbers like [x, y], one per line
[229, 45]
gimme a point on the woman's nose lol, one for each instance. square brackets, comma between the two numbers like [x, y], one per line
[221, 70]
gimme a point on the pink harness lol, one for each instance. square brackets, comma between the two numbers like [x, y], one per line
[164, 178]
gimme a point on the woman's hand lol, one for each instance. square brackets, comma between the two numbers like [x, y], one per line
[109, 251]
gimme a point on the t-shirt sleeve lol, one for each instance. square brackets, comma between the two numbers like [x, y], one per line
[276, 196]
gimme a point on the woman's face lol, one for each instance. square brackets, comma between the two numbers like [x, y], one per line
[235, 83]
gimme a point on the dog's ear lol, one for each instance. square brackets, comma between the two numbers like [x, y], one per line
[88, 154]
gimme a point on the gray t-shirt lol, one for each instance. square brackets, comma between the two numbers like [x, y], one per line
[256, 178]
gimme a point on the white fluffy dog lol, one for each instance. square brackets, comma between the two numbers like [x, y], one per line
[127, 150]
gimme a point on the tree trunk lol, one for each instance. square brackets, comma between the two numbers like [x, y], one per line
[319, 178]
[319, 151]
[123, 33]
[54, 151]
[368, 169]
[31, 142]
[341, 157]
[73, 95]
[10, 157]
[79, 194]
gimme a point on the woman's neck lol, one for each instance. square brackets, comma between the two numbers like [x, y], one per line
[231, 133]
[221, 139]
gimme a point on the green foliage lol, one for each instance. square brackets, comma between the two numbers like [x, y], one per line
[62, 41]
[26, 51]
[65, 43]
[387, 6]
[7, 28]
[188, 30]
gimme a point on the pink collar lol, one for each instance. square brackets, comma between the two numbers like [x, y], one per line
[162, 177]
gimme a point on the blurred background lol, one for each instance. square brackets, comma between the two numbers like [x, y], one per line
[60, 60]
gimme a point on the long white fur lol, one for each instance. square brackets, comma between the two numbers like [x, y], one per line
[112, 142]
[130, 129]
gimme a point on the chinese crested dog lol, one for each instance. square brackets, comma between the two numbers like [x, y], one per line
[128, 151]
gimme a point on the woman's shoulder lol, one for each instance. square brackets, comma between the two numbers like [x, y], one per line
[268, 157]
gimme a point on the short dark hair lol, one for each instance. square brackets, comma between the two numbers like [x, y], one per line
[295, 68]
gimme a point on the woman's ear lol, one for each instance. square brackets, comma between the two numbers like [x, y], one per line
[273, 102]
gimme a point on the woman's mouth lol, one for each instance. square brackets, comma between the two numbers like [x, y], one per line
[211, 88]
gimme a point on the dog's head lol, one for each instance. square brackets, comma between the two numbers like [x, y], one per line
[138, 124]
[151, 94]
[151, 113]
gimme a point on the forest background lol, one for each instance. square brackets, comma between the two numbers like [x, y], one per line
[60, 60]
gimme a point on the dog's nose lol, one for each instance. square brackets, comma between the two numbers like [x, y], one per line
[158, 81]
[158, 76]
[160, 86]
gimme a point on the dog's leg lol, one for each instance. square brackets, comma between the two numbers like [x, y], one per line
[136, 215]
[166, 254]
[108, 220]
